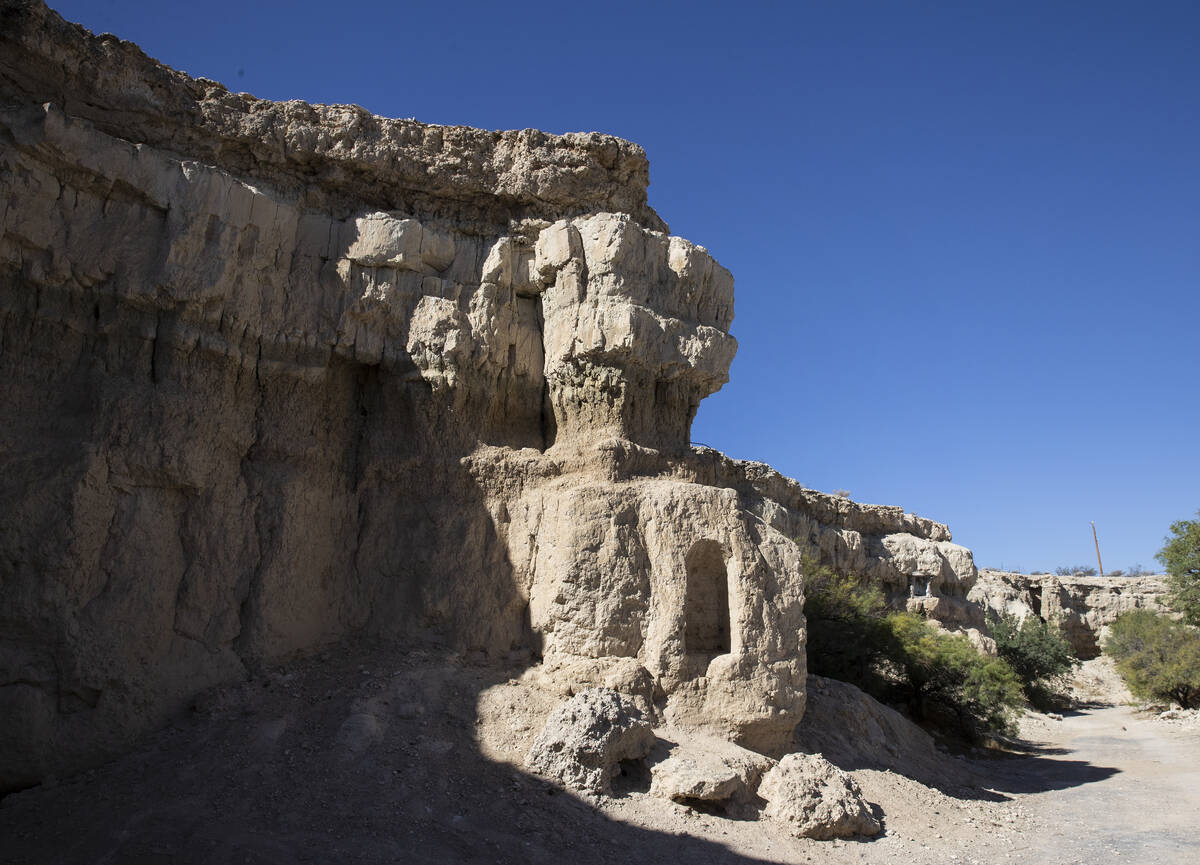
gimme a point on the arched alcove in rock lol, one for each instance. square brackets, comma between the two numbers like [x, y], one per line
[706, 605]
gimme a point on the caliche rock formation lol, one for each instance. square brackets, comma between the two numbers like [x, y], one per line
[816, 799]
[276, 374]
[705, 769]
[1083, 606]
[855, 731]
[586, 739]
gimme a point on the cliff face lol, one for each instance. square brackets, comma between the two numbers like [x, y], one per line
[276, 374]
[1084, 606]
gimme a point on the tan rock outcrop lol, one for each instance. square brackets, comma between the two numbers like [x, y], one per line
[1084, 606]
[275, 374]
[855, 731]
[699, 768]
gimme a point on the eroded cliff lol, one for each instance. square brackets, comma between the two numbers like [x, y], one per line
[1082, 606]
[276, 374]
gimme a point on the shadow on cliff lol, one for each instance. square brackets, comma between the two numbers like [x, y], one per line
[368, 751]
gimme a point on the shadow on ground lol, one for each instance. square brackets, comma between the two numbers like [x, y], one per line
[1040, 770]
[361, 757]
[369, 755]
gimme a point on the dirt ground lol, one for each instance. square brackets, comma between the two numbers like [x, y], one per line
[363, 756]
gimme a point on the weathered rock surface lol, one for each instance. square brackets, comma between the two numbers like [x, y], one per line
[1084, 606]
[705, 769]
[276, 374]
[816, 799]
[585, 739]
[324, 156]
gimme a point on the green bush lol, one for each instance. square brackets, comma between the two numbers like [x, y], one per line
[946, 672]
[1158, 657]
[1180, 555]
[1036, 650]
[900, 658]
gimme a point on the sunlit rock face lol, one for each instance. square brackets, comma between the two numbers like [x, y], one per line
[1082, 606]
[277, 374]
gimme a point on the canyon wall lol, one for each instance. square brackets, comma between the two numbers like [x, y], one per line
[275, 375]
[1083, 606]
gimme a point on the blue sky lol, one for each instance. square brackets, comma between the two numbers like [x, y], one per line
[966, 237]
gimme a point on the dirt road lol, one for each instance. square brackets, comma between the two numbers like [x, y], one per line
[1140, 803]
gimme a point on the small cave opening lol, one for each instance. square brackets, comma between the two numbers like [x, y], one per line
[706, 605]
[632, 776]
[919, 586]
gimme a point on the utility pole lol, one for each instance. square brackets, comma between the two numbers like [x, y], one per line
[1097, 540]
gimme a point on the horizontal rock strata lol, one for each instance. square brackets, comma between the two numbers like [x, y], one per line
[276, 374]
[1083, 606]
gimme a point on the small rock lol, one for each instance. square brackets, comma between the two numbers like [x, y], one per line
[359, 732]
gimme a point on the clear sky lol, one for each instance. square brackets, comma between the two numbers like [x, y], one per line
[966, 236]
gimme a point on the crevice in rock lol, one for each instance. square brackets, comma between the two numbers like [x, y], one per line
[245, 642]
[549, 425]
[711, 807]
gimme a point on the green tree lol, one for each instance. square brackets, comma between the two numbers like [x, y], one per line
[1158, 657]
[848, 637]
[902, 659]
[946, 673]
[1036, 650]
[1180, 555]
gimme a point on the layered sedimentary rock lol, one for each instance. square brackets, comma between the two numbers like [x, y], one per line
[276, 374]
[1083, 606]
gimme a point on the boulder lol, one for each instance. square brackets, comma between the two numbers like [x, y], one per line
[706, 769]
[815, 799]
[586, 738]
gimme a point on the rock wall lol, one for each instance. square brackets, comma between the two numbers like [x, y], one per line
[1084, 606]
[275, 375]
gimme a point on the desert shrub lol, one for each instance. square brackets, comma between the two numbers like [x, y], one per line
[902, 659]
[947, 673]
[1116, 573]
[1158, 657]
[848, 638]
[1075, 571]
[1037, 652]
[1180, 555]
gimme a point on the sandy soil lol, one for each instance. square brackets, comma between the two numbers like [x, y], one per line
[370, 757]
